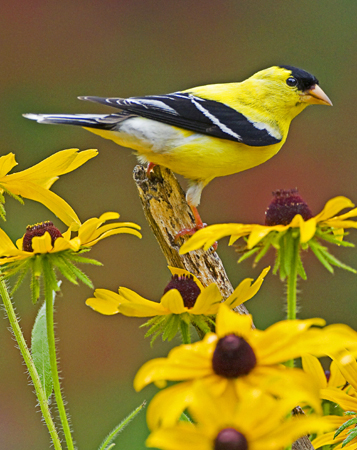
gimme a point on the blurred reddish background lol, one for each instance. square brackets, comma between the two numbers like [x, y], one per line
[52, 52]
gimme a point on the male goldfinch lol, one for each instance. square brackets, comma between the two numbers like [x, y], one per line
[207, 131]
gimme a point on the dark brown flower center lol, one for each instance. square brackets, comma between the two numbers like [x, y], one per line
[233, 357]
[39, 229]
[284, 207]
[230, 439]
[187, 288]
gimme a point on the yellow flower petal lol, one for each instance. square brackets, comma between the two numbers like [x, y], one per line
[208, 301]
[229, 322]
[180, 272]
[126, 302]
[328, 438]
[46, 172]
[178, 397]
[183, 363]
[111, 228]
[292, 430]
[207, 236]
[88, 228]
[132, 296]
[42, 244]
[338, 224]
[132, 304]
[346, 402]
[312, 366]
[48, 198]
[347, 215]
[332, 207]
[173, 302]
[307, 229]
[348, 367]
[7, 162]
[283, 340]
[245, 290]
[149, 309]
[6, 244]
[260, 231]
[105, 302]
[112, 232]
[336, 379]
[183, 436]
[281, 382]
[64, 244]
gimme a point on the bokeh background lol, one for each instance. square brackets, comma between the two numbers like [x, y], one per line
[50, 53]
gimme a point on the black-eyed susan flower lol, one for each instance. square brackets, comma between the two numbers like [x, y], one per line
[44, 248]
[287, 212]
[34, 183]
[256, 422]
[289, 227]
[238, 358]
[185, 301]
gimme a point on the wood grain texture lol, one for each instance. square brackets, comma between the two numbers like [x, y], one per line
[167, 212]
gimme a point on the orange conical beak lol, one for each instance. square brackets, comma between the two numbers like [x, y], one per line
[315, 96]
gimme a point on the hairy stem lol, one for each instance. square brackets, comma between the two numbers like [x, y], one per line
[292, 281]
[25, 352]
[53, 358]
[292, 287]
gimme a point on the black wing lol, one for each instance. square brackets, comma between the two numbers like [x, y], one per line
[196, 114]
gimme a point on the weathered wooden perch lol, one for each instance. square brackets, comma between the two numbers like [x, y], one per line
[167, 212]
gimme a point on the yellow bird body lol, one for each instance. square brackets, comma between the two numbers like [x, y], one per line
[207, 131]
[182, 151]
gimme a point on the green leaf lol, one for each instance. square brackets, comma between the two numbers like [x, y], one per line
[185, 332]
[334, 261]
[83, 260]
[300, 268]
[171, 327]
[345, 425]
[315, 247]
[263, 251]
[248, 253]
[69, 270]
[155, 324]
[40, 352]
[202, 323]
[185, 418]
[333, 240]
[351, 435]
[276, 263]
[107, 443]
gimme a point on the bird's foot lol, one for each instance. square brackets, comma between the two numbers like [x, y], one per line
[190, 231]
[149, 168]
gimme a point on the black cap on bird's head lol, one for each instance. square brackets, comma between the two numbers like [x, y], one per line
[305, 80]
[308, 84]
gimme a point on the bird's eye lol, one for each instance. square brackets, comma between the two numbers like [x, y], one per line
[291, 81]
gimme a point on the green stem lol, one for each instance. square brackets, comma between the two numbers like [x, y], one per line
[292, 281]
[48, 276]
[25, 352]
[292, 285]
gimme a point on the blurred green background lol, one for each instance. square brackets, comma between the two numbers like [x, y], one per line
[50, 53]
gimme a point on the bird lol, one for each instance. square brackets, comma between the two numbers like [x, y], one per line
[207, 131]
